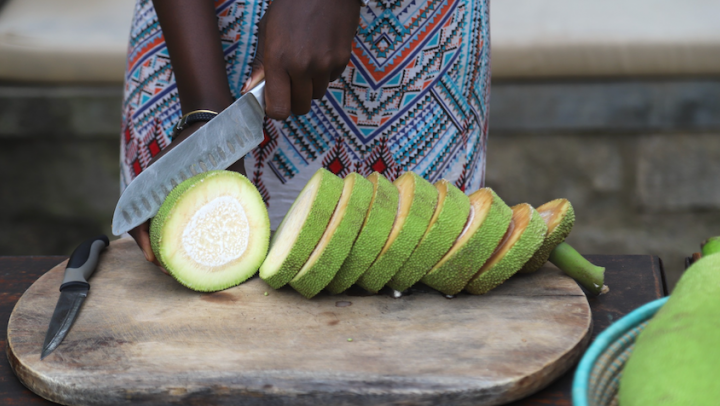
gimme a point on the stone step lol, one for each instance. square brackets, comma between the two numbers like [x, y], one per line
[45, 111]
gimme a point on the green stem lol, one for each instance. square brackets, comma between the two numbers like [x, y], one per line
[711, 246]
[589, 276]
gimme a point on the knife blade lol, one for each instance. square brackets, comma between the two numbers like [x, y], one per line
[216, 145]
[73, 291]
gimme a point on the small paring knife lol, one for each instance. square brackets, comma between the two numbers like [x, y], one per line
[73, 291]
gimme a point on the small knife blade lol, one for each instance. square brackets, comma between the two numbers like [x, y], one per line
[73, 291]
[216, 145]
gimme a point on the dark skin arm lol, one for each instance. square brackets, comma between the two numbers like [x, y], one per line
[302, 46]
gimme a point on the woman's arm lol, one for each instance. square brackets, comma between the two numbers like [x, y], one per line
[191, 33]
[192, 37]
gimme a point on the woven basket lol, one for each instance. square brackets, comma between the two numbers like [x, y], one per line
[598, 375]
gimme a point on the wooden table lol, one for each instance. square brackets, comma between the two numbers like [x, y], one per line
[633, 281]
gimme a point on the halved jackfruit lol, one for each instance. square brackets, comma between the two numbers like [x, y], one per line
[212, 231]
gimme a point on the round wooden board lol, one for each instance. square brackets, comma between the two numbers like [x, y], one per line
[142, 338]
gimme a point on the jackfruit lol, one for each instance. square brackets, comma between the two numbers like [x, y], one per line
[212, 231]
[559, 217]
[301, 229]
[339, 236]
[373, 235]
[523, 237]
[488, 219]
[446, 224]
[675, 358]
[418, 198]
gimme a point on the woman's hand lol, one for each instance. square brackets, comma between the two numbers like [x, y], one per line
[302, 46]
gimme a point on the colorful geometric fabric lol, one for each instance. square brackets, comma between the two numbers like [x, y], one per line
[413, 97]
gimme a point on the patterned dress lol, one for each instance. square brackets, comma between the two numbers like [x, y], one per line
[414, 97]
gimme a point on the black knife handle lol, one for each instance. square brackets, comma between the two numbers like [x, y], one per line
[83, 262]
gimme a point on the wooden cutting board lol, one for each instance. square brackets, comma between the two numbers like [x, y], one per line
[142, 338]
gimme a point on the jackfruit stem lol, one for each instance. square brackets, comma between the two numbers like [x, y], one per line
[589, 276]
[710, 246]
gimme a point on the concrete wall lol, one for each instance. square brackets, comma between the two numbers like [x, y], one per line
[59, 173]
[639, 160]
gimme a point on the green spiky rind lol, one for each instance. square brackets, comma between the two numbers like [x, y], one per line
[311, 279]
[436, 242]
[553, 238]
[675, 358]
[451, 276]
[530, 240]
[710, 246]
[371, 239]
[166, 211]
[327, 196]
[416, 222]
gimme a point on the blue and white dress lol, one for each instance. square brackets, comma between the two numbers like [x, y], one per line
[414, 97]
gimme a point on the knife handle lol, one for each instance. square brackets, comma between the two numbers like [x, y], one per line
[83, 262]
[259, 92]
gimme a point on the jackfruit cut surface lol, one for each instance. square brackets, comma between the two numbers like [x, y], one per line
[675, 359]
[212, 231]
[488, 220]
[301, 229]
[559, 217]
[373, 235]
[415, 209]
[338, 239]
[523, 237]
[446, 224]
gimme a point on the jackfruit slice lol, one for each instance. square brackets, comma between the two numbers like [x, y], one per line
[416, 206]
[212, 231]
[373, 235]
[338, 238]
[559, 216]
[675, 358]
[301, 229]
[446, 224]
[489, 218]
[523, 237]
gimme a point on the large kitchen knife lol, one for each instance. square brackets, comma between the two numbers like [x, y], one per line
[73, 291]
[216, 145]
